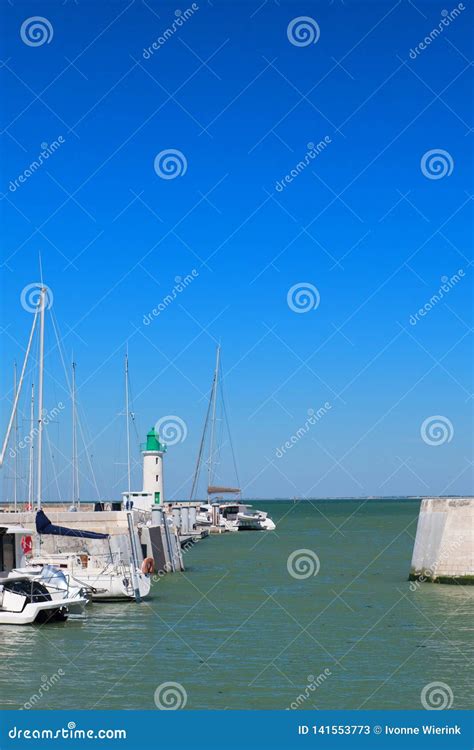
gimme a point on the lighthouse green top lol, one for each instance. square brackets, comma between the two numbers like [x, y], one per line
[153, 441]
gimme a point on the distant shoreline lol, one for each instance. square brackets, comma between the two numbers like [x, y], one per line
[252, 500]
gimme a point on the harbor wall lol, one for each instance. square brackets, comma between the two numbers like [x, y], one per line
[105, 522]
[444, 544]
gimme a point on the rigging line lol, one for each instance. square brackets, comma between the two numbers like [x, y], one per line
[15, 483]
[79, 423]
[224, 409]
[132, 410]
[89, 461]
[127, 417]
[60, 349]
[197, 470]
[53, 467]
[31, 456]
[18, 390]
[210, 471]
[221, 431]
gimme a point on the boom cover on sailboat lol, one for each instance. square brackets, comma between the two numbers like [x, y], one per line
[44, 526]
[220, 490]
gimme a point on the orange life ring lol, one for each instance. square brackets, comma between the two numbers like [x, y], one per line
[148, 566]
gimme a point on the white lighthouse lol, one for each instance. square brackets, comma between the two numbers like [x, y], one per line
[152, 494]
[153, 467]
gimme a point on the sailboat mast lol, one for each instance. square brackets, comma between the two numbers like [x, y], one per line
[201, 450]
[213, 419]
[32, 449]
[15, 466]
[18, 391]
[42, 304]
[127, 409]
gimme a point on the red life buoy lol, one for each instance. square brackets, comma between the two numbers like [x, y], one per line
[26, 544]
[148, 566]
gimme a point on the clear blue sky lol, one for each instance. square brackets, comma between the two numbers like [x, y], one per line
[361, 223]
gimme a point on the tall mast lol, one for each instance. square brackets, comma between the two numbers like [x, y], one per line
[75, 467]
[42, 305]
[32, 449]
[15, 469]
[201, 447]
[213, 419]
[18, 391]
[127, 409]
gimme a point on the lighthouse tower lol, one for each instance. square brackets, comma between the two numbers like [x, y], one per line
[152, 494]
[153, 467]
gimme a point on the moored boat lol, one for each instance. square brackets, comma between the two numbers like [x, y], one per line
[227, 516]
[26, 601]
[102, 577]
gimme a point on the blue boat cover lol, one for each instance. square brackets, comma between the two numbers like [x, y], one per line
[44, 526]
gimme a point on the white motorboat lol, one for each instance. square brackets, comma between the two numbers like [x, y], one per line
[257, 520]
[14, 539]
[58, 584]
[234, 517]
[244, 519]
[204, 515]
[24, 601]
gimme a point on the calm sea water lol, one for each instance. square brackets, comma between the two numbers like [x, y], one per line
[237, 631]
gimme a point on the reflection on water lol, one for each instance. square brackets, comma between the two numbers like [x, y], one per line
[237, 631]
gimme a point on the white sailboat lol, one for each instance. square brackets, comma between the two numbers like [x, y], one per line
[24, 599]
[104, 573]
[230, 516]
[100, 577]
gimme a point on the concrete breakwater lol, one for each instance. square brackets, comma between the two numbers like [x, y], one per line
[444, 544]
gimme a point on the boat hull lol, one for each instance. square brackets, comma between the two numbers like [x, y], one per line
[254, 523]
[105, 587]
[36, 613]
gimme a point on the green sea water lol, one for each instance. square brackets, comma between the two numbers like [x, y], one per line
[238, 631]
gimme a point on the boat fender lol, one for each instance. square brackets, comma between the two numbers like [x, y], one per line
[148, 566]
